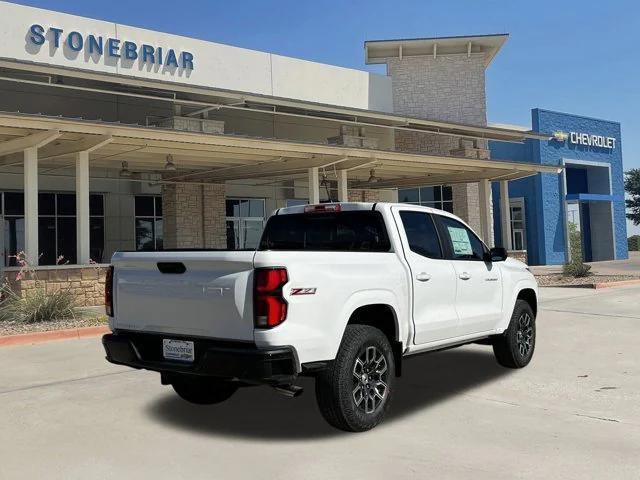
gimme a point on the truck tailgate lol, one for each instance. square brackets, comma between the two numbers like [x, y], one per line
[193, 293]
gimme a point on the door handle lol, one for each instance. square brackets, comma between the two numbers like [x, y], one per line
[464, 276]
[423, 277]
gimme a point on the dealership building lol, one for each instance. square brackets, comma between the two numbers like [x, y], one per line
[114, 137]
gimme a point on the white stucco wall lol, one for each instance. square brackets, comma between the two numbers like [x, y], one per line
[215, 65]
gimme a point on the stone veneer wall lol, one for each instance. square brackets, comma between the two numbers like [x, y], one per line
[215, 216]
[194, 216]
[364, 196]
[448, 88]
[86, 283]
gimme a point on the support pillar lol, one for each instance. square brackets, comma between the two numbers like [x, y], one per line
[343, 190]
[82, 208]
[31, 247]
[314, 186]
[486, 218]
[505, 215]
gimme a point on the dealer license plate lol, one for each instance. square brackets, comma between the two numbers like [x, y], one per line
[178, 350]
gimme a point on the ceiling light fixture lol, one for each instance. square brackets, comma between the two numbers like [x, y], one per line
[170, 166]
[372, 176]
[125, 172]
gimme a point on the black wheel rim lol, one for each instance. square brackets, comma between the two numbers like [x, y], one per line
[370, 380]
[524, 334]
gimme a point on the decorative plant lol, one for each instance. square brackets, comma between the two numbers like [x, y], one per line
[36, 305]
[575, 267]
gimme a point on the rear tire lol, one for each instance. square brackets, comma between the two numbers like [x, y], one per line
[203, 391]
[355, 390]
[514, 348]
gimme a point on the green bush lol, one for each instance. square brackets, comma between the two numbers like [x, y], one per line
[576, 269]
[634, 243]
[36, 306]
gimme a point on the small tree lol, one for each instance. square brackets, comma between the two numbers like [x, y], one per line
[575, 267]
[632, 187]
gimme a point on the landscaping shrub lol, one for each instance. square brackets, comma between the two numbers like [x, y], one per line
[576, 267]
[634, 243]
[37, 306]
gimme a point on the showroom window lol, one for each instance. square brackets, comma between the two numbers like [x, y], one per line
[245, 221]
[56, 227]
[148, 222]
[440, 197]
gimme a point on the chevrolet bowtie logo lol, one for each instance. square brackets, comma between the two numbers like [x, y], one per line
[560, 136]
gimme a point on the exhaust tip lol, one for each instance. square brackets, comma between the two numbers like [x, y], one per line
[291, 391]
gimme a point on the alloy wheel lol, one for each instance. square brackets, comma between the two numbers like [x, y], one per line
[370, 376]
[524, 334]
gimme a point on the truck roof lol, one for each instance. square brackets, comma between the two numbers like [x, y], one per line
[350, 206]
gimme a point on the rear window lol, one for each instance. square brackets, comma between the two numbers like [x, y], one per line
[351, 231]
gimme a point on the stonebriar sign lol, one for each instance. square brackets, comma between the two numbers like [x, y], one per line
[97, 45]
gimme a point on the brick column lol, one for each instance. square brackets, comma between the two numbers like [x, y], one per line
[215, 216]
[194, 216]
[182, 215]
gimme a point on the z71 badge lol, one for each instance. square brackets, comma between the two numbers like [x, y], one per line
[303, 291]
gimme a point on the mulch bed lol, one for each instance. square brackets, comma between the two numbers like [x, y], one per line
[558, 280]
[16, 328]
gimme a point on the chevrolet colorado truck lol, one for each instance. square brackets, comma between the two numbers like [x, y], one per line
[342, 292]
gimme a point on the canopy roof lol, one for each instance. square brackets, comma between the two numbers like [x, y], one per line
[218, 158]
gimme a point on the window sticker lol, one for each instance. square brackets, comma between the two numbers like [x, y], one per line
[460, 240]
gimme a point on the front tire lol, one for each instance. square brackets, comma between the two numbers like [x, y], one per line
[203, 391]
[514, 348]
[354, 391]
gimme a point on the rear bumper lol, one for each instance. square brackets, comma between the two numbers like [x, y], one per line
[229, 360]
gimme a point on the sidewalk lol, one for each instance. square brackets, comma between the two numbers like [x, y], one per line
[613, 267]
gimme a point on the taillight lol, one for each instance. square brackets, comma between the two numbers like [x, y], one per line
[269, 306]
[108, 291]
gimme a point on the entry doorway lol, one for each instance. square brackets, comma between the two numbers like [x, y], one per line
[590, 231]
[245, 221]
[589, 211]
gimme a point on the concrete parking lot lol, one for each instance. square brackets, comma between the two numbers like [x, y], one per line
[573, 413]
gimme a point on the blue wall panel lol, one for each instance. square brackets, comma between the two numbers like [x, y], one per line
[544, 205]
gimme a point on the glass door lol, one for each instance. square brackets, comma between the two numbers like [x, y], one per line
[245, 221]
[518, 228]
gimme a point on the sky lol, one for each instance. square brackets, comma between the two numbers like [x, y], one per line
[572, 56]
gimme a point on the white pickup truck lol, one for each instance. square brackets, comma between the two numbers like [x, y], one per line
[343, 292]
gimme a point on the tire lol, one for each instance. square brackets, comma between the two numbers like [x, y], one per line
[514, 348]
[341, 389]
[203, 391]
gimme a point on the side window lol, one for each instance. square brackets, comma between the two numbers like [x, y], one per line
[463, 243]
[421, 233]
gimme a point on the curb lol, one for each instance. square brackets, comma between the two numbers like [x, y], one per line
[52, 335]
[620, 283]
[598, 286]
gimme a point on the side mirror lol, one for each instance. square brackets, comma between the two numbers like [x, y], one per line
[496, 254]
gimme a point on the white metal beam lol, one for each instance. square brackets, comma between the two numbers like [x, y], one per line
[35, 140]
[505, 215]
[343, 189]
[314, 186]
[88, 144]
[82, 208]
[486, 219]
[31, 247]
